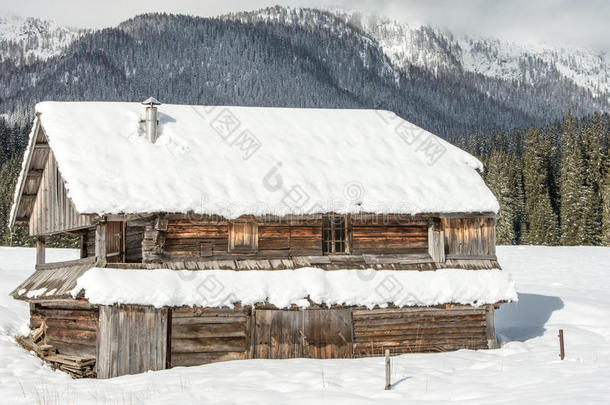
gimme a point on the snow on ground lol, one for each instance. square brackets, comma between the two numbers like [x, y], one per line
[558, 287]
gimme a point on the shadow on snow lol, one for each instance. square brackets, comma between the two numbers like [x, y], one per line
[525, 319]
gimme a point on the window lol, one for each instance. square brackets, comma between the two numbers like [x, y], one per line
[243, 236]
[334, 234]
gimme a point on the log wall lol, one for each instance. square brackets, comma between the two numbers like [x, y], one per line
[391, 235]
[408, 330]
[188, 238]
[130, 339]
[185, 238]
[201, 336]
[72, 330]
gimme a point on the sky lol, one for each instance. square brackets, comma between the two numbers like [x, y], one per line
[576, 22]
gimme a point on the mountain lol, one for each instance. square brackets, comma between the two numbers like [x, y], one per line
[289, 57]
[544, 79]
[531, 64]
[23, 41]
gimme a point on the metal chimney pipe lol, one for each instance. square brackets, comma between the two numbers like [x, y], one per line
[151, 121]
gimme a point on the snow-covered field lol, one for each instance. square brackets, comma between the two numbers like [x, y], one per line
[558, 288]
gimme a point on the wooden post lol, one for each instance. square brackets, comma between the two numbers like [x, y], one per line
[562, 353]
[100, 241]
[490, 328]
[83, 245]
[388, 383]
[436, 243]
[40, 250]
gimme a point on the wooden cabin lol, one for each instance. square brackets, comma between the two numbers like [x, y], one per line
[196, 189]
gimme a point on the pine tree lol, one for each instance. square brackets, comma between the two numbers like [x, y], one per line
[542, 228]
[605, 238]
[503, 185]
[571, 184]
[593, 184]
[9, 170]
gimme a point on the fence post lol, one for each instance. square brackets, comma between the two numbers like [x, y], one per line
[388, 383]
[562, 353]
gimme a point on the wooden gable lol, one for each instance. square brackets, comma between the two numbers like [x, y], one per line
[42, 201]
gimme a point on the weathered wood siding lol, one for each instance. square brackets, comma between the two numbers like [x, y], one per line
[278, 334]
[288, 238]
[388, 235]
[406, 330]
[53, 211]
[134, 234]
[186, 238]
[469, 237]
[114, 241]
[53, 280]
[201, 336]
[131, 339]
[71, 329]
[314, 333]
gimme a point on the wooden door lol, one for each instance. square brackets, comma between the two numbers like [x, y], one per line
[328, 333]
[131, 339]
[115, 241]
[278, 334]
[315, 333]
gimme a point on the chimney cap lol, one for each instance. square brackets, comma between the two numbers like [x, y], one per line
[151, 101]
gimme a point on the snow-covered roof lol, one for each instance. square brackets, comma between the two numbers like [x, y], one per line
[233, 161]
[283, 288]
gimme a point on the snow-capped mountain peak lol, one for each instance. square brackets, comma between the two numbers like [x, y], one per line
[432, 48]
[24, 40]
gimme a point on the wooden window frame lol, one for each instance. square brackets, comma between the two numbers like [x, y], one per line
[329, 246]
[253, 247]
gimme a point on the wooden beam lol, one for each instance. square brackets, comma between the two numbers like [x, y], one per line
[28, 161]
[40, 250]
[41, 146]
[35, 173]
[100, 241]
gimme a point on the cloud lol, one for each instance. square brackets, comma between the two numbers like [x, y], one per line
[579, 22]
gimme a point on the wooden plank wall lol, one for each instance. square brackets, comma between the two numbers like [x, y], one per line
[327, 333]
[313, 333]
[72, 330]
[407, 330]
[186, 238]
[201, 336]
[53, 211]
[134, 234]
[469, 238]
[388, 235]
[131, 339]
[278, 334]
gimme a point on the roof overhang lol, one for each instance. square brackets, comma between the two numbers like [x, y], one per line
[21, 202]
